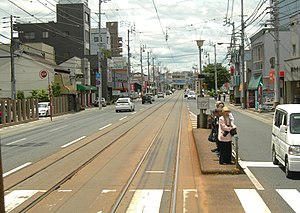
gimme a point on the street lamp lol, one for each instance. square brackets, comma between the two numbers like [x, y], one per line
[200, 44]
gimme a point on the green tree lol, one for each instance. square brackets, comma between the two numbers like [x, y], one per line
[223, 76]
[20, 94]
[42, 96]
[55, 88]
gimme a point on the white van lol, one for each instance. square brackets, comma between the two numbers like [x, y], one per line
[286, 137]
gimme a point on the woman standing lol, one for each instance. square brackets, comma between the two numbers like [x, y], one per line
[226, 128]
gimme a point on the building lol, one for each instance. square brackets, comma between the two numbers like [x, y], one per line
[116, 41]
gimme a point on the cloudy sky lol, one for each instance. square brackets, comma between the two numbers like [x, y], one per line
[167, 28]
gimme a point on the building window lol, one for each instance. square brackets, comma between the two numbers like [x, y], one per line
[87, 36]
[294, 49]
[96, 39]
[45, 34]
[29, 35]
[87, 18]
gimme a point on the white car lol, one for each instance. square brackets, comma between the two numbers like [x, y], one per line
[44, 109]
[191, 95]
[125, 104]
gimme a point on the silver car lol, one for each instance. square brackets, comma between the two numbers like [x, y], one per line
[125, 104]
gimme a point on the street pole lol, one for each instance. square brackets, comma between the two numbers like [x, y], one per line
[153, 75]
[216, 74]
[99, 61]
[12, 63]
[142, 73]
[148, 83]
[128, 68]
[2, 205]
[277, 67]
[201, 115]
[243, 99]
[200, 71]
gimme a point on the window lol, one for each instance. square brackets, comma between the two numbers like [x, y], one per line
[294, 49]
[29, 35]
[87, 36]
[278, 118]
[96, 39]
[45, 34]
[295, 123]
[87, 18]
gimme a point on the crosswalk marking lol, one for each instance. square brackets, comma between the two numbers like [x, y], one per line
[193, 118]
[251, 201]
[17, 197]
[292, 197]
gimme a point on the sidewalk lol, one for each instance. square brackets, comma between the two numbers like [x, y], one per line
[209, 161]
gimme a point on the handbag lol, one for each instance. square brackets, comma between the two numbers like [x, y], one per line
[212, 136]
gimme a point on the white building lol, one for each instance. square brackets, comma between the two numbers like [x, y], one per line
[105, 40]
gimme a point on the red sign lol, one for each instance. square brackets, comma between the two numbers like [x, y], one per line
[272, 75]
[43, 74]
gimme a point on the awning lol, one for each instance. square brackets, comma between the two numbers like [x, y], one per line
[254, 83]
[85, 88]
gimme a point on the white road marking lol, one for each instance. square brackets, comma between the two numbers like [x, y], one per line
[16, 169]
[259, 164]
[186, 193]
[156, 172]
[146, 201]
[123, 118]
[65, 190]
[105, 126]
[58, 128]
[74, 141]
[17, 197]
[104, 191]
[292, 197]
[251, 176]
[251, 201]
[17, 141]
[133, 113]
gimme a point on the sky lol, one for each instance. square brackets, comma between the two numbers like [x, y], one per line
[167, 29]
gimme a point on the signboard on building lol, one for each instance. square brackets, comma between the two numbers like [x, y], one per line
[203, 103]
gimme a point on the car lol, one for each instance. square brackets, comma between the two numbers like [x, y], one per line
[44, 109]
[103, 102]
[151, 95]
[146, 98]
[285, 142]
[191, 95]
[124, 104]
[160, 95]
[169, 92]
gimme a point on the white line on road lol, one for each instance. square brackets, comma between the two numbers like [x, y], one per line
[156, 172]
[74, 141]
[133, 113]
[251, 201]
[105, 126]
[123, 118]
[16, 169]
[104, 191]
[292, 197]
[17, 141]
[186, 195]
[58, 128]
[17, 197]
[251, 176]
[259, 164]
[146, 201]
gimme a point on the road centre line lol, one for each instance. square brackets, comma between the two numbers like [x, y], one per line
[251, 176]
[105, 126]
[58, 128]
[123, 118]
[292, 197]
[251, 201]
[74, 141]
[16, 169]
[17, 141]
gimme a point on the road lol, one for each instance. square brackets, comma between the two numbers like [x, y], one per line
[278, 193]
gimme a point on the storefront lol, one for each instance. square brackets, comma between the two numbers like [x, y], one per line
[292, 81]
[254, 92]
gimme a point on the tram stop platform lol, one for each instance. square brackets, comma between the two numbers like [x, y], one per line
[209, 161]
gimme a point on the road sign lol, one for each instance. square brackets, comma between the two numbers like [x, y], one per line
[203, 103]
[43, 74]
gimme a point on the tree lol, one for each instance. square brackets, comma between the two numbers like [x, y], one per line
[20, 94]
[55, 90]
[223, 76]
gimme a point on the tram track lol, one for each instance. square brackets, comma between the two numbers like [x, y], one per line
[69, 175]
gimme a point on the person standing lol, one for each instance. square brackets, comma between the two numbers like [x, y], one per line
[215, 126]
[226, 126]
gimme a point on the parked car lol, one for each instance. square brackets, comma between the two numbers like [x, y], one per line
[124, 104]
[169, 92]
[191, 95]
[285, 144]
[160, 95]
[146, 98]
[44, 109]
[103, 102]
[151, 95]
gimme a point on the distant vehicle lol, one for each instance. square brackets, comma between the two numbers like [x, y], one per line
[124, 104]
[103, 102]
[169, 92]
[186, 93]
[146, 98]
[160, 95]
[44, 109]
[191, 95]
[150, 94]
[285, 144]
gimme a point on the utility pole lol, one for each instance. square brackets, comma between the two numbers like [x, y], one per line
[277, 64]
[243, 98]
[216, 74]
[148, 84]
[153, 75]
[12, 62]
[99, 61]
[142, 72]
[129, 66]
